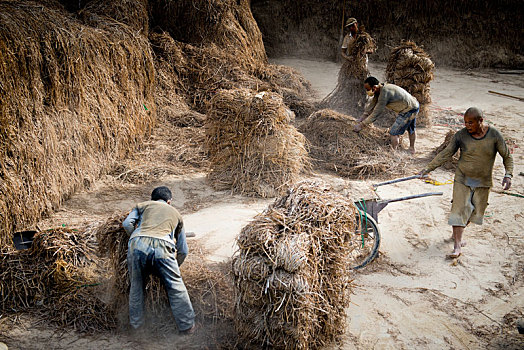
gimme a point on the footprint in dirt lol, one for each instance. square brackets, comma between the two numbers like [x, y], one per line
[414, 239]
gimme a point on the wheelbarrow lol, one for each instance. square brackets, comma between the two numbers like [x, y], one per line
[368, 209]
[23, 239]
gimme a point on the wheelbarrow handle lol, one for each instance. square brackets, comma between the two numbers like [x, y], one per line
[413, 196]
[399, 180]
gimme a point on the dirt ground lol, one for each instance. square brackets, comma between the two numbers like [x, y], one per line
[411, 296]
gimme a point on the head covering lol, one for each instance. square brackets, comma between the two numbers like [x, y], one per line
[351, 21]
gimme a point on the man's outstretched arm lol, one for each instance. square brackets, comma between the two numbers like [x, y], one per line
[443, 156]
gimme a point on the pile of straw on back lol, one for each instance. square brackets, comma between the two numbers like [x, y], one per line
[73, 99]
[253, 148]
[349, 96]
[335, 146]
[55, 277]
[411, 68]
[210, 288]
[292, 270]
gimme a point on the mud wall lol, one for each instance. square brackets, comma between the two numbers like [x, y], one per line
[464, 33]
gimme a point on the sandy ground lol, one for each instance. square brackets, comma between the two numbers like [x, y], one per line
[411, 296]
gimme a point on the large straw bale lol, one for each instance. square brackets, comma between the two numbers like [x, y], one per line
[73, 99]
[349, 95]
[252, 146]
[228, 24]
[57, 277]
[335, 146]
[411, 68]
[299, 301]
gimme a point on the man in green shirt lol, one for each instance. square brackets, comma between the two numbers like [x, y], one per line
[398, 100]
[158, 245]
[479, 145]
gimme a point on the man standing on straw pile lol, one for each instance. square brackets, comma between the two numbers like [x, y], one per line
[398, 100]
[478, 144]
[154, 227]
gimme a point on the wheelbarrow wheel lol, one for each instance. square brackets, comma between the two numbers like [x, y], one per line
[368, 241]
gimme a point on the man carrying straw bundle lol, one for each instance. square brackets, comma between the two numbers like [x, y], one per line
[348, 97]
[154, 227]
[398, 100]
[349, 39]
[478, 144]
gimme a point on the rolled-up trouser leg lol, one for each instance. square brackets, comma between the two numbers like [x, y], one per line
[138, 272]
[167, 269]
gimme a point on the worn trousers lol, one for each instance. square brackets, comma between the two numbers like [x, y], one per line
[146, 255]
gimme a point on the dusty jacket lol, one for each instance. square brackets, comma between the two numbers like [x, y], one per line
[477, 156]
[392, 97]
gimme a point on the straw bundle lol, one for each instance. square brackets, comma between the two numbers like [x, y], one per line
[292, 287]
[294, 88]
[349, 95]
[56, 276]
[209, 288]
[252, 146]
[72, 101]
[411, 68]
[335, 146]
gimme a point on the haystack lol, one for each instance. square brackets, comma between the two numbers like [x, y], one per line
[411, 68]
[210, 288]
[73, 99]
[228, 24]
[349, 95]
[335, 146]
[57, 278]
[133, 13]
[253, 148]
[292, 270]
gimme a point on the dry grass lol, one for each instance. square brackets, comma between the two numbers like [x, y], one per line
[253, 148]
[56, 278]
[335, 146]
[73, 100]
[292, 270]
[411, 68]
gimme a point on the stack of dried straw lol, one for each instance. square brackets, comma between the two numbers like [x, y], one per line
[73, 98]
[55, 277]
[335, 146]
[411, 68]
[209, 287]
[252, 146]
[292, 270]
[349, 95]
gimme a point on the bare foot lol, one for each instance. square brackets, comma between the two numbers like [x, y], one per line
[452, 239]
[456, 253]
[412, 151]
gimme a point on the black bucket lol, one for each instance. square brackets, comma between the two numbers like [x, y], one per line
[23, 239]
